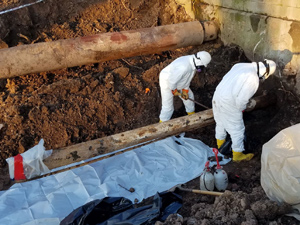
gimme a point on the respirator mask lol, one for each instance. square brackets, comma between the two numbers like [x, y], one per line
[267, 73]
[199, 68]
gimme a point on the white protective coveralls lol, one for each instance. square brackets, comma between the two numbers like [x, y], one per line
[230, 99]
[177, 75]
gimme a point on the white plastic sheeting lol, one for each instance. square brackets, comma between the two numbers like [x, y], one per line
[32, 161]
[152, 168]
[280, 168]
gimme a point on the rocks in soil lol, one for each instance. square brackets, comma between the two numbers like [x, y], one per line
[173, 219]
[236, 208]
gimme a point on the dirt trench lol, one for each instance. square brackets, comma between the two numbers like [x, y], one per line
[83, 103]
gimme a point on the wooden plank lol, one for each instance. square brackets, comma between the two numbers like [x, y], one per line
[86, 150]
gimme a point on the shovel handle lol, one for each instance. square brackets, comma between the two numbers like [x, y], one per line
[198, 103]
[215, 193]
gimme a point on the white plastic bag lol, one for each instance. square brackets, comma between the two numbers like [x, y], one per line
[32, 161]
[280, 168]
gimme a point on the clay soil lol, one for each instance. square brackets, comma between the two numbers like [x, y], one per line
[83, 103]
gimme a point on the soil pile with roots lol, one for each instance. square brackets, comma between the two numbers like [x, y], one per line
[83, 103]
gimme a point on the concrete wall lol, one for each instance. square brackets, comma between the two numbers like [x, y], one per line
[263, 28]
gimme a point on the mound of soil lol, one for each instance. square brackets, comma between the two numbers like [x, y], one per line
[83, 103]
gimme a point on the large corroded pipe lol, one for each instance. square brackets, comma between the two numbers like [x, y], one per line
[60, 54]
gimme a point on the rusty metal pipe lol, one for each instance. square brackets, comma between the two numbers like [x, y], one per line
[60, 54]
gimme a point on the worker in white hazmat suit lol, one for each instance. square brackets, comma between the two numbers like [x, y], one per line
[230, 100]
[175, 79]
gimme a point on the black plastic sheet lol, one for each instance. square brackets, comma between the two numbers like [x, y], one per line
[225, 149]
[121, 211]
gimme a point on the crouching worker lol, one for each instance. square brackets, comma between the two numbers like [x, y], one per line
[175, 79]
[230, 100]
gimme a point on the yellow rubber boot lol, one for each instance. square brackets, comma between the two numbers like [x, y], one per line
[160, 121]
[190, 113]
[239, 156]
[220, 143]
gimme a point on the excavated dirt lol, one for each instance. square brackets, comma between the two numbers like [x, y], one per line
[78, 104]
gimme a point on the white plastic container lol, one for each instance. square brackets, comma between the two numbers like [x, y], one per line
[221, 177]
[207, 180]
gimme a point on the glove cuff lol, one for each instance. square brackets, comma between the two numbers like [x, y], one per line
[174, 91]
[185, 90]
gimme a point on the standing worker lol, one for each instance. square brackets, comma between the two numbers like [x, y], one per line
[175, 79]
[230, 100]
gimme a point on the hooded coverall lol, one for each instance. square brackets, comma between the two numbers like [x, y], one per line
[230, 99]
[177, 75]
